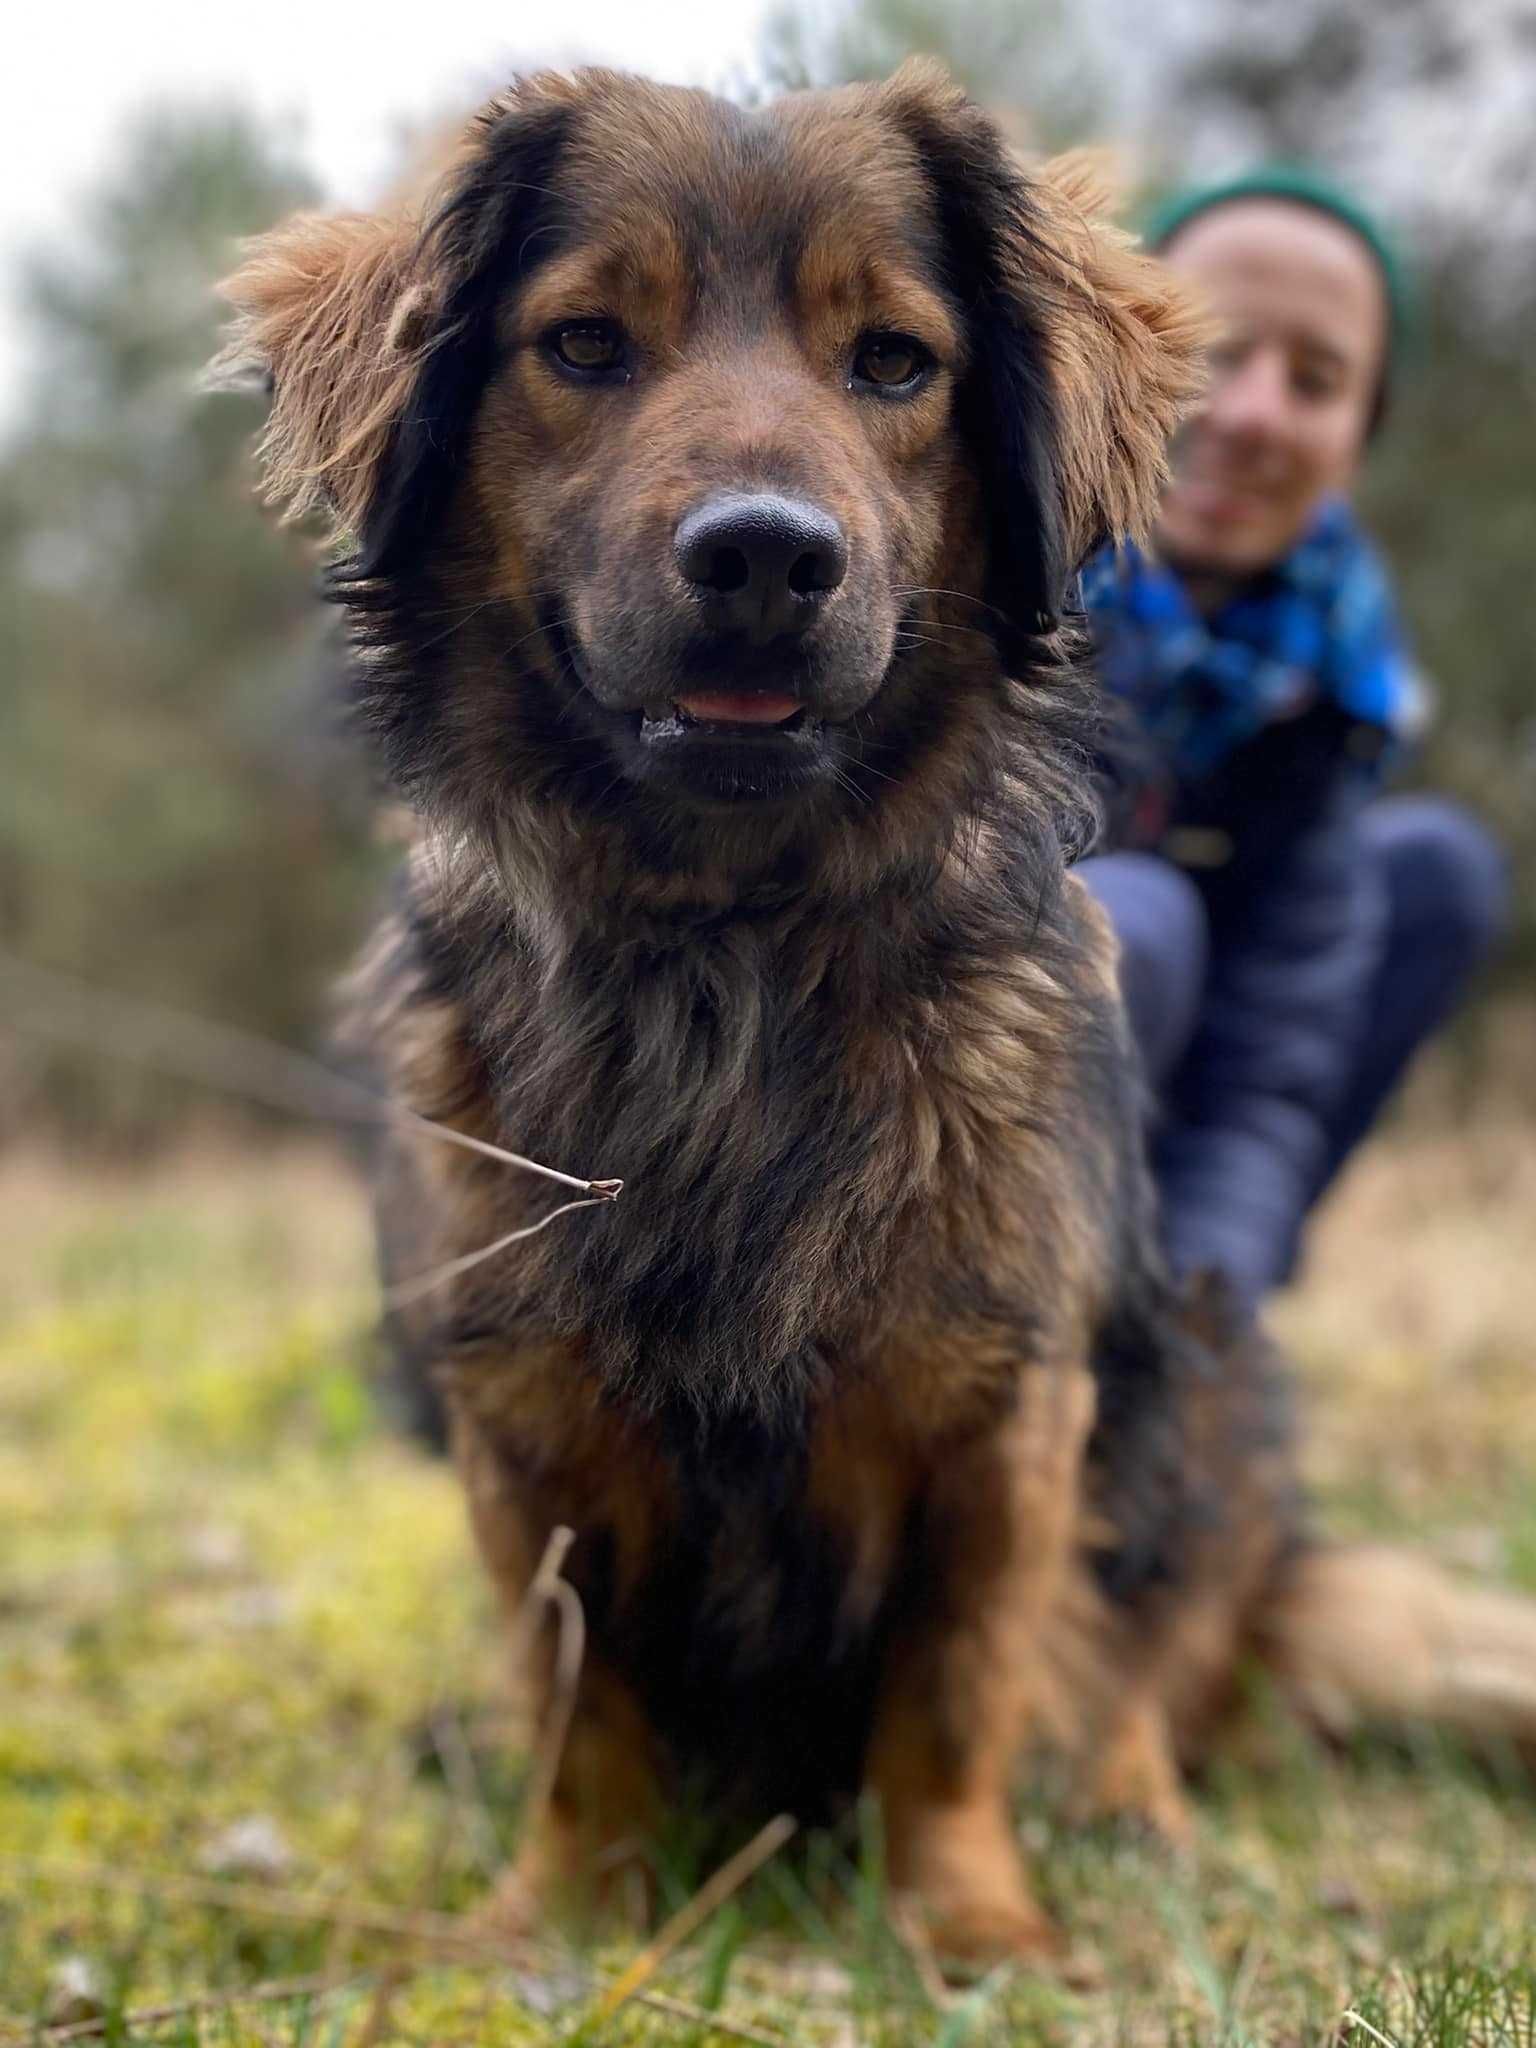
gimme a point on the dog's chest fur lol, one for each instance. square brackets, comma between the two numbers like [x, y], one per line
[826, 1126]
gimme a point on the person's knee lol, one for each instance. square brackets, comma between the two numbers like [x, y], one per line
[1155, 909]
[1447, 875]
[1160, 923]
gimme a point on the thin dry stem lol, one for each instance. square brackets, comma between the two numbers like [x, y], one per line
[238, 1062]
[276, 1901]
[399, 1971]
[713, 2022]
[710, 1896]
[548, 1589]
[913, 1938]
[1352, 2019]
[338, 1949]
[423, 1283]
[391, 1979]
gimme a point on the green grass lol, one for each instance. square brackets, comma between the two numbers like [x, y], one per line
[229, 1593]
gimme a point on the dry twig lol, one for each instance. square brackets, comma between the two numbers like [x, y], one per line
[1352, 2019]
[241, 1063]
[910, 1932]
[548, 1589]
[273, 1901]
[712, 2022]
[710, 1896]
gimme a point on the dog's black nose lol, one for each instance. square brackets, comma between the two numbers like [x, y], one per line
[761, 563]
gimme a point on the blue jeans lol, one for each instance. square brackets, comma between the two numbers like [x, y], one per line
[1442, 880]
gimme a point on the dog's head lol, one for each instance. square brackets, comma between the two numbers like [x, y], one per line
[707, 462]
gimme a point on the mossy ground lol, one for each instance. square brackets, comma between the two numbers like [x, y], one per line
[244, 1649]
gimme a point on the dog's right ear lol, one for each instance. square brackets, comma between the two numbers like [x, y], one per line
[374, 334]
[331, 318]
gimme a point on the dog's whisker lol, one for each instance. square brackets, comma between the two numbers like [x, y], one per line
[522, 641]
[868, 768]
[949, 626]
[457, 625]
[964, 596]
[844, 780]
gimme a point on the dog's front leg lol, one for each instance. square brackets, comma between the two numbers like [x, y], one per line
[597, 1779]
[998, 1521]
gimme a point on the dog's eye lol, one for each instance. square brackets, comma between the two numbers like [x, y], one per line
[891, 362]
[592, 348]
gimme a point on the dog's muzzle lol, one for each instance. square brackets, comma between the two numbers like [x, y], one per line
[766, 655]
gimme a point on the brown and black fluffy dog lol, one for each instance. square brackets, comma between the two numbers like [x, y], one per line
[709, 484]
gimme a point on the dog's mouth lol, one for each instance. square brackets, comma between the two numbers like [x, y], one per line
[736, 708]
[730, 747]
[764, 716]
[716, 745]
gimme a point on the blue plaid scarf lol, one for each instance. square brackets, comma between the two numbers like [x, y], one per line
[1319, 626]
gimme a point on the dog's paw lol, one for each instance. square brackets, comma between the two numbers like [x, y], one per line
[969, 1936]
[1153, 1817]
[512, 1916]
[1135, 1786]
[552, 1883]
[959, 1888]
[984, 1932]
[1165, 1826]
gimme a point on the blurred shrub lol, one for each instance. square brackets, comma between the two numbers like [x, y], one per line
[175, 820]
[1449, 492]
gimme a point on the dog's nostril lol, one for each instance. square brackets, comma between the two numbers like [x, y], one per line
[728, 571]
[818, 569]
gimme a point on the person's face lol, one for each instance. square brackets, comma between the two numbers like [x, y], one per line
[1302, 330]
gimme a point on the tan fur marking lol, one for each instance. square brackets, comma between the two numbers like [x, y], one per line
[958, 1692]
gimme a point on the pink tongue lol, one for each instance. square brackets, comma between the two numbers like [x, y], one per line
[722, 707]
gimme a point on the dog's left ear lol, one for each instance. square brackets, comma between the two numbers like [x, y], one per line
[1084, 352]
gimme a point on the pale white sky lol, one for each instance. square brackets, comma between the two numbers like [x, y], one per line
[348, 73]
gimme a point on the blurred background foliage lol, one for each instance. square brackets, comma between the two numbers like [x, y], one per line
[179, 818]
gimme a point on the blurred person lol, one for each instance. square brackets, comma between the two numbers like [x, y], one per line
[1288, 935]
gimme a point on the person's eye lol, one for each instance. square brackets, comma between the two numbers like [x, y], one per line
[1314, 384]
[589, 348]
[892, 364]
